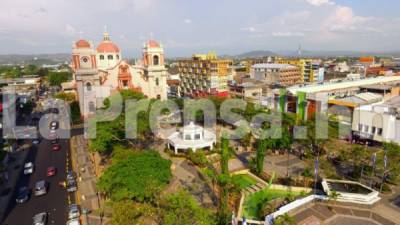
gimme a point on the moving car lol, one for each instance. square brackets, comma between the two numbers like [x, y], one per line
[51, 171]
[40, 188]
[36, 141]
[23, 195]
[40, 219]
[73, 211]
[56, 147]
[28, 168]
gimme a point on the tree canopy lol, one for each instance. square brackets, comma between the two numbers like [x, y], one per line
[182, 209]
[140, 176]
[56, 78]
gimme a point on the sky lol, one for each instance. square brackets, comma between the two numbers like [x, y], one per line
[185, 27]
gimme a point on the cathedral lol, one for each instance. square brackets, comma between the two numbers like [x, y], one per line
[98, 72]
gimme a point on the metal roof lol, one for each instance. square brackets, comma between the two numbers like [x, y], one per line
[342, 85]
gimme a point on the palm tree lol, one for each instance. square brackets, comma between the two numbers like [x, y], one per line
[333, 196]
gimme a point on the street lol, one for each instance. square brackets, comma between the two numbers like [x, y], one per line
[55, 202]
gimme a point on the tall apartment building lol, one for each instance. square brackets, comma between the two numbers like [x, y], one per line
[204, 75]
[272, 73]
[308, 68]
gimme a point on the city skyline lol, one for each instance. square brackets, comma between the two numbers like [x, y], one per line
[229, 27]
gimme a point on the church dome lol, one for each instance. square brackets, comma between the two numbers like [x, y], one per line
[107, 46]
[153, 44]
[82, 44]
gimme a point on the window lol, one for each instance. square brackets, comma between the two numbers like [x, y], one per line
[92, 107]
[101, 57]
[125, 83]
[88, 86]
[157, 81]
[360, 127]
[187, 137]
[366, 128]
[373, 130]
[380, 131]
[110, 57]
[155, 60]
[117, 56]
[197, 137]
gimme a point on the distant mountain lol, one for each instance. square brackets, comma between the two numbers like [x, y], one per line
[307, 53]
[39, 59]
[255, 54]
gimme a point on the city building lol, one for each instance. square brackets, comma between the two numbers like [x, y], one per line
[98, 72]
[276, 74]
[307, 67]
[378, 122]
[204, 75]
[249, 91]
[305, 99]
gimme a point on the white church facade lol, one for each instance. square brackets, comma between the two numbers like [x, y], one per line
[98, 72]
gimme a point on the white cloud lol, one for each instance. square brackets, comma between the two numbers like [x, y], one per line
[343, 19]
[288, 34]
[187, 21]
[320, 2]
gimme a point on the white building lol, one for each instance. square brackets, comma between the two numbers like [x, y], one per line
[191, 137]
[379, 122]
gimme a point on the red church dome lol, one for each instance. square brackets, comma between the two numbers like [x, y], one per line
[153, 44]
[82, 44]
[107, 47]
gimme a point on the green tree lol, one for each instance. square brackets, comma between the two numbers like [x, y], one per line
[182, 209]
[68, 97]
[126, 213]
[223, 182]
[140, 176]
[56, 78]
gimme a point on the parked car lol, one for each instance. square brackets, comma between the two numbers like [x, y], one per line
[71, 175]
[51, 171]
[73, 211]
[41, 188]
[73, 222]
[71, 185]
[54, 141]
[36, 141]
[28, 168]
[54, 125]
[23, 195]
[40, 219]
[56, 147]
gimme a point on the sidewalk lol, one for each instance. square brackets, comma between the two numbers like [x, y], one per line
[87, 195]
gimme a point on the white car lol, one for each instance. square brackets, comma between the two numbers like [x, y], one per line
[28, 168]
[73, 222]
[73, 212]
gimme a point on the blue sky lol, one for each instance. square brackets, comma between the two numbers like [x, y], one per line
[188, 26]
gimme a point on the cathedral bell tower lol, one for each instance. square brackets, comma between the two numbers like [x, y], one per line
[154, 69]
[86, 76]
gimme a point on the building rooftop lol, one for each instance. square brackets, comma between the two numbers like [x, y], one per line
[273, 66]
[343, 85]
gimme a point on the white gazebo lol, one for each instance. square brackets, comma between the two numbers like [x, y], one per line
[192, 137]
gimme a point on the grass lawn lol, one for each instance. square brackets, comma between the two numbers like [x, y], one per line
[243, 181]
[253, 203]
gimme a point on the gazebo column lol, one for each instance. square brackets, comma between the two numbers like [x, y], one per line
[194, 150]
[175, 150]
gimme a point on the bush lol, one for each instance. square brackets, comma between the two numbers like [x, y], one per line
[198, 158]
